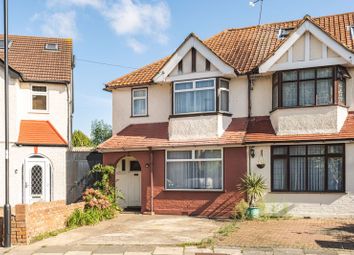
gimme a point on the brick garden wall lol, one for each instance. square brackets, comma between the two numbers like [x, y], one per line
[29, 221]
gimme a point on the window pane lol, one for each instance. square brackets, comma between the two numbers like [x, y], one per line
[324, 72]
[179, 154]
[279, 174]
[341, 92]
[39, 102]
[208, 154]
[205, 84]
[139, 107]
[297, 174]
[205, 100]
[307, 74]
[335, 173]
[289, 94]
[184, 102]
[316, 173]
[139, 93]
[209, 175]
[307, 93]
[36, 180]
[289, 76]
[324, 92]
[224, 84]
[275, 96]
[180, 175]
[224, 100]
[297, 150]
[280, 150]
[316, 149]
[185, 85]
[332, 149]
[39, 88]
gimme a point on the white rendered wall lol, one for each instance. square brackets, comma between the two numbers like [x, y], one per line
[308, 204]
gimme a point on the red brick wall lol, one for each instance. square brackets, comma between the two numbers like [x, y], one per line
[210, 204]
[31, 220]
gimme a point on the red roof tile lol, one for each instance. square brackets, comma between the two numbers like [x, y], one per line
[28, 57]
[38, 132]
[246, 48]
[260, 130]
[142, 136]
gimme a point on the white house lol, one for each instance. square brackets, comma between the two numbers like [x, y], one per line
[40, 117]
[275, 99]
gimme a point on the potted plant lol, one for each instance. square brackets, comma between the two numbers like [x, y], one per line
[254, 186]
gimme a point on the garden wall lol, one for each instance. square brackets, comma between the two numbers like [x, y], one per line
[28, 221]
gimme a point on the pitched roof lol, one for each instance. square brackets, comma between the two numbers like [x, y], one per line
[155, 135]
[28, 57]
[260, 130]
[39, 132]
[246, 48]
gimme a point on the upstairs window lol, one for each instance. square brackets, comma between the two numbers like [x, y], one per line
[224, 95]
[39, 98]
[139, 102]
[309, 87]
[51, 46]
[2, 44]
[194, 96]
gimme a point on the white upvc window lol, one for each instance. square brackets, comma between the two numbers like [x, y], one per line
[224, 96]
[39, 98]
[194, 170]
[196, 96]
[139, 102]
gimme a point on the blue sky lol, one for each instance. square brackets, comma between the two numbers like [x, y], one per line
[133, 33]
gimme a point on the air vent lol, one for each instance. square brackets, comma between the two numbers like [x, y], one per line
[2, 44]
[284, 32]
[51, 46]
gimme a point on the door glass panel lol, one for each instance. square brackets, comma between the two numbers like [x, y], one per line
[36, 180]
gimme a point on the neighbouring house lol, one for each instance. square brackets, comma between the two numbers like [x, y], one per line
[275, 99]
[41, 106]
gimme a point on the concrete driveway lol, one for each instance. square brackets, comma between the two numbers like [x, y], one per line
[128, 230]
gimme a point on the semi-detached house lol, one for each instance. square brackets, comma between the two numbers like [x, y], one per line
[275, 99]
[40, 105]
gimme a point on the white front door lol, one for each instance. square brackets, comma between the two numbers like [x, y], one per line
[37, 184]
[128, 181]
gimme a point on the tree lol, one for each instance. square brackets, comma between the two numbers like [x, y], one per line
[100, 131]
[79, 139]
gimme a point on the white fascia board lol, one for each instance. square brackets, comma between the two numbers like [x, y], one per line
[192, 42]
[319, 34]
[193, 76]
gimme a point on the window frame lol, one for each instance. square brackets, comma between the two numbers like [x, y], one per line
[279, 83]
[193, 159]
[146, 97]
[219, 95]
[39, 93]
[326, 155]
[193, 89]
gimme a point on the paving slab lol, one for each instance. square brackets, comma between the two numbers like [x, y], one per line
[228, 251]
[168, 251]
[78, 253]
[287, 251]
[192, 250]
[137, 253]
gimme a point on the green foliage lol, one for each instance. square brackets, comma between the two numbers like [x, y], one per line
[100, 132]
[102, 175]
[79, 139]
[240, 210]
[227, 229]
[90, 216]
[254, 186]
[95, 199]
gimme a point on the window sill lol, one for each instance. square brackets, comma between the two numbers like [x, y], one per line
[195, 190]
[140, 116]
[39, 111]
[309, 106]
[308, 192]
[199, 114]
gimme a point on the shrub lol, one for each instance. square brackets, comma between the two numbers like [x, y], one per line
[254, 186]
[95, 199]
[240, 210]
[90, 216]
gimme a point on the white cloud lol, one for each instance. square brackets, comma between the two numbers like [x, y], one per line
[136, 46]
[81, 3]
[57, 24]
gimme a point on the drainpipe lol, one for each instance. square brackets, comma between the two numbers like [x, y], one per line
[249, 95]
[151, 181]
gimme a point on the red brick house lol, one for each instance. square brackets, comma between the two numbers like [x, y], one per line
[275, 99]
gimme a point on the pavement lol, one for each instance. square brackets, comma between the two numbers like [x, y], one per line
[136, 234]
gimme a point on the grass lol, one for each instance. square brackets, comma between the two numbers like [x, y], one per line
[227, 229]
[46, 235]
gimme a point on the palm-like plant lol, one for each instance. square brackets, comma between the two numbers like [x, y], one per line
[254, 186]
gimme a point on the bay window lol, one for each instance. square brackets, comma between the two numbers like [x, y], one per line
[308, 168]
[309, 87]
[200, 96]
[194, 170]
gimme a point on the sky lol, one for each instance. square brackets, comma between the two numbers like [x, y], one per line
[126, 34]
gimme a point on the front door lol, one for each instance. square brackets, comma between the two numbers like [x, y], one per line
[128, 181]
[37, 184]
